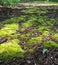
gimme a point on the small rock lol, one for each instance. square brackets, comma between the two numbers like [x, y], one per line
[28, 61]
[1, 61]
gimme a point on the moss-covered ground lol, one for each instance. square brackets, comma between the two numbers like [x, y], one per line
[34, 28]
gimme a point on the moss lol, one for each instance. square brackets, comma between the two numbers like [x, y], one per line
[56, 30]
[31, 51]
[12, 26]
[24, 36]
[46, 21]
[36, 10]
[15, 36]
[29, 22]
[35, 18]
[43, 28]
[14, 20]
[46, 33]
[11, 49]
[28, 34]
[8, 29]
[50, 44]
[43, 20]
[35, 40]
[55, 36]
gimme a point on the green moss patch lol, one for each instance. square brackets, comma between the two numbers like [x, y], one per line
[50, 44]
[55, 36]
[8, 29]
[26, 31]
[11, 49]
[35, 40]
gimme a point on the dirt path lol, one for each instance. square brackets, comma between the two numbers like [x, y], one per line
[46, 5]
[40, 4]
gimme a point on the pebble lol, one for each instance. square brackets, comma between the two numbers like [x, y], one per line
[1, 61]
[28, 61]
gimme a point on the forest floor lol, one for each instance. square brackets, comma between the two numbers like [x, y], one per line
[37, 32]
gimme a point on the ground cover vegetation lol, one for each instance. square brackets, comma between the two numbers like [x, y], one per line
[31, 35]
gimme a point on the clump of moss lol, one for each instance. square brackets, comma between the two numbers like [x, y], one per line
[12, 26]
[35, 40]
[8, 29]
[43, 28]
[50, 44]
[31, 51]
[36, 10]
[23, 36]
[45, 33]
[55, 36]
[29, 22]
[11, 49]
[14, 20]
